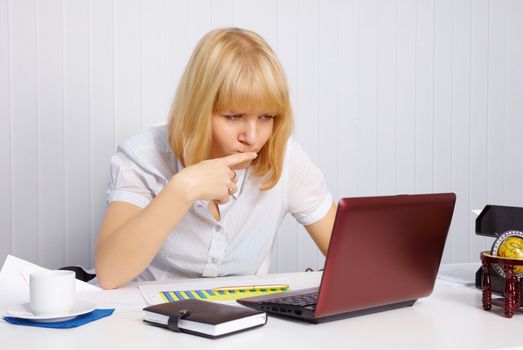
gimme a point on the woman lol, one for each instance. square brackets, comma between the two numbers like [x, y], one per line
[204, 196]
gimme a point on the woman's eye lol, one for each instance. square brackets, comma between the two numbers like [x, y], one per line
[266, 117]
[233, 116]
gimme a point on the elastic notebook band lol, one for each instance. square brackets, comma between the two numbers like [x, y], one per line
[172, 323]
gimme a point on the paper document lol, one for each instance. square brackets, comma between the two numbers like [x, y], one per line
[14, 281]
[14, 289]
[462, 274]
[16, 270]
[204, 290]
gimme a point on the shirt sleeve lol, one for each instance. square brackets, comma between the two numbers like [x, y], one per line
[309, 200]
[129, 182]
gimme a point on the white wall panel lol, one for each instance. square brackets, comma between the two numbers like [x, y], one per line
[478, 122]
[328, 121]
[259, 16]
[496, 107]
[442, 151]
[5, 134]
[386, 93]
[513, 126]
[402, 96]
[24, 129]
[154, 106]
[127, 68]
[285, 259]
[187, 22]
[348, 99]
[307, 108]
[367, 97]
[51, 134]
[101, 106]
[424, 97]
[77, 132]
[222, 13]
[406, 98]
[460, 130]
[200, 20]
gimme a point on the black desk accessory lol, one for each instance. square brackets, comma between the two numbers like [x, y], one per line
[493, 221]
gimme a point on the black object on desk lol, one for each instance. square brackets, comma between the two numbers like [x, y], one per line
[80, 273]
[203, 318]
[492, 222]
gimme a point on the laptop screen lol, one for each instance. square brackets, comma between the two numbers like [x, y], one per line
[384, 250]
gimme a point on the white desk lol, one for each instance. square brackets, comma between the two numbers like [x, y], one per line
[451, 318]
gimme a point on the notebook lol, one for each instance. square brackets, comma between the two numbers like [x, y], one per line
[384, 254]
[203, 318]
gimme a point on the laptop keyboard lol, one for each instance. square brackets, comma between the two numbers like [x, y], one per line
[302, 300]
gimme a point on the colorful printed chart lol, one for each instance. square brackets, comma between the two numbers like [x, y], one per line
[214, 295]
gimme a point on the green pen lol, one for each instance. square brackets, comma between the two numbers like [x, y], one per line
[250, 287]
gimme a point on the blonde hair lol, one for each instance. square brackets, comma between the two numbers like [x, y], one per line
[231, 67]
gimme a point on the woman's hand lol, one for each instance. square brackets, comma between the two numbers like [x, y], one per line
[211, 179]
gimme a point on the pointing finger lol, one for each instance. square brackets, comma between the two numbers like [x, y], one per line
[238, 158]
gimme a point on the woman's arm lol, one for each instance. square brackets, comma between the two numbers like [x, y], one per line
[131, 236]
[321, 230]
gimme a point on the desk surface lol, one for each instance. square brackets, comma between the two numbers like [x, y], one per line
[451, 318]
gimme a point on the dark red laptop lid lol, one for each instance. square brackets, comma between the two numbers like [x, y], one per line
[384, 250]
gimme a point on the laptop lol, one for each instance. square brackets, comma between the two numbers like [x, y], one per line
[384, 254]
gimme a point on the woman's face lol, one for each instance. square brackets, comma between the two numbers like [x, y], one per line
[237, 131]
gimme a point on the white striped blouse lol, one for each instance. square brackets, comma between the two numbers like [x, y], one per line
[199, 245]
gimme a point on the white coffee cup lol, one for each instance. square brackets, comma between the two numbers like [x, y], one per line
[51, 291]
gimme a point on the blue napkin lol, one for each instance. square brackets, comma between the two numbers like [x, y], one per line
[75, 322]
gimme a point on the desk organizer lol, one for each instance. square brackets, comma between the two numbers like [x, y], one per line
[492, 222]
[512, 286]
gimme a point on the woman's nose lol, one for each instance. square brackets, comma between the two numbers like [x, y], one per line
[249, 133]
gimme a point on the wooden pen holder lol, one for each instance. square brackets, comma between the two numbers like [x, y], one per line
[512, 299]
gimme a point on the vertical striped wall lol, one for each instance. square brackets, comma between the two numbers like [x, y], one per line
[390, 96]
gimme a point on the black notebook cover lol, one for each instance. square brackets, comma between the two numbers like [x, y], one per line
[208, 313]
